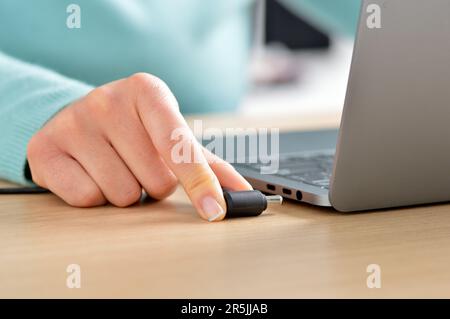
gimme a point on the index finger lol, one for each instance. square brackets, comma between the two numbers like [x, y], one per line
[176, 144]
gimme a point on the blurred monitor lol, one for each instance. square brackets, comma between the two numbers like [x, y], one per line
[284, 27]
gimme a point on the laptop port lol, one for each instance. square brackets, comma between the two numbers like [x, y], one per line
[299, 195]
[287, 191]
[271, 187]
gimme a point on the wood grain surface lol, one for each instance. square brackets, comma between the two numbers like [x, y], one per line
[162, 249]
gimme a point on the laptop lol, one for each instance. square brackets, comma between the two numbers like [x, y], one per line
[393, 145]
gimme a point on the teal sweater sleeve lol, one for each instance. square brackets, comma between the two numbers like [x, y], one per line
[29, 96]
[200, 48]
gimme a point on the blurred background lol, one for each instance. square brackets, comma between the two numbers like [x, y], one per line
[295, 65]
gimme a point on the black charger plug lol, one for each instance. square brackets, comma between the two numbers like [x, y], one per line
[248, 203]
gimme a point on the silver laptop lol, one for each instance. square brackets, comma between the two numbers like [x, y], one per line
[393, 146]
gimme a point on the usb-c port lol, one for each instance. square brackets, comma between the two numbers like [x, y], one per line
[271, 187]
[287, 191]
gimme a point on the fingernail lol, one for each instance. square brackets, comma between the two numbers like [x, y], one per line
[211, 208]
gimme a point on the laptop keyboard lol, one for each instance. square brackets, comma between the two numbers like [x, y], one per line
[313, 169]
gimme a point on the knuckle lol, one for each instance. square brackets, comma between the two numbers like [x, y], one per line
[35, 147]
[141, 78]
[197, 182]
[102, 102]
[87, 196]
[38, 153]
[101, 95]
[127, 196]
[154, 89]
[163, 189]
[147, 81]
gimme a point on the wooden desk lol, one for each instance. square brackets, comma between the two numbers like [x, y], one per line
[164, 250]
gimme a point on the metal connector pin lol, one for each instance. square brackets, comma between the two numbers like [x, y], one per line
[274, 200]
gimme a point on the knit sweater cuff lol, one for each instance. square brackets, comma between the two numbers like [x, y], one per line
[28, 119]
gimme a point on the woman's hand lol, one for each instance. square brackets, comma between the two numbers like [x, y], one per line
[116, 141]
